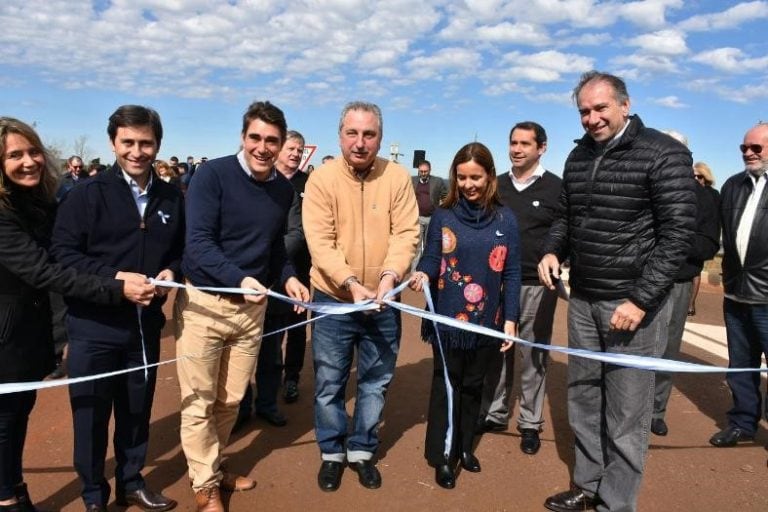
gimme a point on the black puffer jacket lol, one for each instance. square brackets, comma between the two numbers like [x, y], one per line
[628, 216]
[749, 281]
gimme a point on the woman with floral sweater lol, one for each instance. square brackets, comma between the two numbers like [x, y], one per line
[472, 264]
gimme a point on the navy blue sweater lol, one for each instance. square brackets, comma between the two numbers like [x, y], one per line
[99, 231]
[472, 259]
[235, 226]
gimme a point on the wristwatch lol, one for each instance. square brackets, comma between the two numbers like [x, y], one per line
[348, 282]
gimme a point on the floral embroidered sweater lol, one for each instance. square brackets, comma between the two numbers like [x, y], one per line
[472, 258]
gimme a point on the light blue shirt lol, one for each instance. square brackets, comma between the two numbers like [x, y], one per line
[140, 197]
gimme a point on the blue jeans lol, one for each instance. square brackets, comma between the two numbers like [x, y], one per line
[334, 339]
[609, 407]
[746, 327]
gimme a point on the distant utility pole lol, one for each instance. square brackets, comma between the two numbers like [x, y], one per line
[394, 152]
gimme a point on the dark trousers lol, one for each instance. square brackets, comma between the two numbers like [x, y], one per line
[129, 396]
[746, 327]
[14, 415]
[466, 371]
[268, 369]
[295, 347]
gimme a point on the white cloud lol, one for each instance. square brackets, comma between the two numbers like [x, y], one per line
[730, 18]
[648, 13]
[448, 60]
[562, 98]
[645, 63]
[731, 60]
[669, 101]
[546, 66]
[663, 42]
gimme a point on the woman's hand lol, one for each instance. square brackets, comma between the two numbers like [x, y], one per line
[510, 329]
[417, 281]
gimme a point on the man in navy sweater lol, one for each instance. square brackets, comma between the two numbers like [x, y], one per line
[237, 209]
[120, 223]
[533, 194]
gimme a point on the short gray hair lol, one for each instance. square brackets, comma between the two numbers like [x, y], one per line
[619, 87]
[365, 107]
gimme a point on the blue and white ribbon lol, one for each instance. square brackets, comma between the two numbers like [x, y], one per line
[632, 361]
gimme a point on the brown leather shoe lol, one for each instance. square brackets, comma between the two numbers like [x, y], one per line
[232, 482]
[208, 499]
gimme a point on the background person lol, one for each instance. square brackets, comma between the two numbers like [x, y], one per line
[704, 177]
[472, 264]
[430, 190]
[28, 183]
[533, 194]
[705, 243]
[745, 281]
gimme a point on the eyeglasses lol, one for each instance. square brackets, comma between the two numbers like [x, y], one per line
[755, 148]
[698, 177]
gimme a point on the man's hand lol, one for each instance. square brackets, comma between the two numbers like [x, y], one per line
[136, 287]
[549, 268]
[163, 275]
[510, 329]
[296, 290]
[360, 293]
[417, 281]
[254, 284]
[627, 317]
[386, 284]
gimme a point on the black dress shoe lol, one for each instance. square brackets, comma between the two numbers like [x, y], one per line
[291, 391]
[329, 476]
[491, 426]
[730, 436]
[470, 462]
[367, 473]
[659, 427]
[567, 501]
[25, 502]
[529, 441]
[274, 418]
[444, 476]
[145, 499]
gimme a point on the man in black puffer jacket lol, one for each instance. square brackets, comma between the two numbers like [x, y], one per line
[628, 216]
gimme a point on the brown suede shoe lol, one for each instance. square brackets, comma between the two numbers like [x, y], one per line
[231, 482]
[208, 499]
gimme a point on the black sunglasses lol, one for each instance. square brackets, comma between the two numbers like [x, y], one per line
[755, 148]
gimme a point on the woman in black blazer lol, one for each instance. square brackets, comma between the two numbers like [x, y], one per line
[28, 182]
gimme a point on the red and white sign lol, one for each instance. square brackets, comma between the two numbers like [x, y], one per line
[309, 150]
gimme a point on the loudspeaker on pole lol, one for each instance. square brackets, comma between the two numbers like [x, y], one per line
[419, 155]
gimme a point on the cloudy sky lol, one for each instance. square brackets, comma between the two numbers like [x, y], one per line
[444, 72]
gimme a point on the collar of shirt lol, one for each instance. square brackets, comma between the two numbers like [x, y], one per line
[615, 140]
[247, 170]
[423, 180]
[140, 197]
[537, 173]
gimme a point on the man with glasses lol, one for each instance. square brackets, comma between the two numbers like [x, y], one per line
[745, 280]
[75, 173]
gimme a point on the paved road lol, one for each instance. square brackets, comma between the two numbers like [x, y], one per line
[684, 472]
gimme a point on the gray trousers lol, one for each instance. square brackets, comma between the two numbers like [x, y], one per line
[679, 298]
[537, 312]
[423, 227]
[609, 407]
